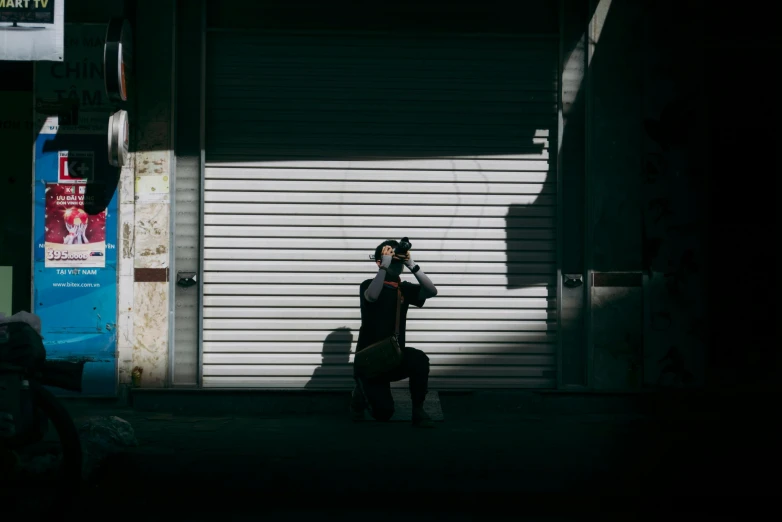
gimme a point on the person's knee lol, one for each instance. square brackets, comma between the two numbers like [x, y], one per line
[418, 361]
[382, 414]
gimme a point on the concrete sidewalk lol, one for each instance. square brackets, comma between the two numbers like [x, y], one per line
[481, 457]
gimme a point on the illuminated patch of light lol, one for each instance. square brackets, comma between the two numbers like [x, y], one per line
[573, 65]
[596, 25]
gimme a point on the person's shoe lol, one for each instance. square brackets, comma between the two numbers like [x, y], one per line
[357, 405]
[421, 419]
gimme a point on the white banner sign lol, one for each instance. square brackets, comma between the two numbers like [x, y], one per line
[32, 30]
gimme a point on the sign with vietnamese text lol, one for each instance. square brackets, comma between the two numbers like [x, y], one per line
[71, 94]
[74, 255]
[73, 238]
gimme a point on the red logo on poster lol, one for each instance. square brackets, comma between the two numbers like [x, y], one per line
[75, 166]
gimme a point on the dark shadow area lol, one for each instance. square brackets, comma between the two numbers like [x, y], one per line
[522, 17]
[16, 175]
[102, 184]
[744, 217]
[104, 179]
[95, 11]
[363, 107]
[674, 182]
[336, 353]
[712, 187]
[275, 109]
[717, 154]
[565, 454]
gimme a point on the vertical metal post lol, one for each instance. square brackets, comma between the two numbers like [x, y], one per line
[172, 208]
[202, 139]
[560, 199]
[589, 233]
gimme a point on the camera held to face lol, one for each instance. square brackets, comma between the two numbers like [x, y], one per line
[403, 247]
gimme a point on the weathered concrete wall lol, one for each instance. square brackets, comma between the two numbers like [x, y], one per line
[16, 124]
[145, 221]
[126, 258]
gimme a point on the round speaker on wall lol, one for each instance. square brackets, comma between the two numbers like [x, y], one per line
[117, 59]
[119, 132]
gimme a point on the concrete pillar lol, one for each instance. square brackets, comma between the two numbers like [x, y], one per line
[145, 203]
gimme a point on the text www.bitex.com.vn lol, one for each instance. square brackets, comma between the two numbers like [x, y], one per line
[77, 285]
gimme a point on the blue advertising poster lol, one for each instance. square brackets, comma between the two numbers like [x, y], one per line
[75, 220]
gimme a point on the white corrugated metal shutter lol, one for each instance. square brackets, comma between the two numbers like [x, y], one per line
[320, 147]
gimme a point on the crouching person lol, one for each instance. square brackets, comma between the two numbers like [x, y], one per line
[385, 301]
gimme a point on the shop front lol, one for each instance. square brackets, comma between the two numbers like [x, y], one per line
[322, 140]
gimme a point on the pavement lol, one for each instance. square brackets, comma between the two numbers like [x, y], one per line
[512, 455]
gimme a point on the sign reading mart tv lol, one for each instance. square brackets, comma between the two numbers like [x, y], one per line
[32, 30]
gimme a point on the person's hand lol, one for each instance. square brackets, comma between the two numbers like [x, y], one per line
[83, 232]
[387, 255]
[407, 260]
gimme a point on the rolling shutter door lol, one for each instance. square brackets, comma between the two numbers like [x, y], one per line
[318, 148]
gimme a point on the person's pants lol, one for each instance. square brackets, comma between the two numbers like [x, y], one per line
[377, 390]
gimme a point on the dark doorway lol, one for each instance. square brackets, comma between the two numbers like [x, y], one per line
[743, 85]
